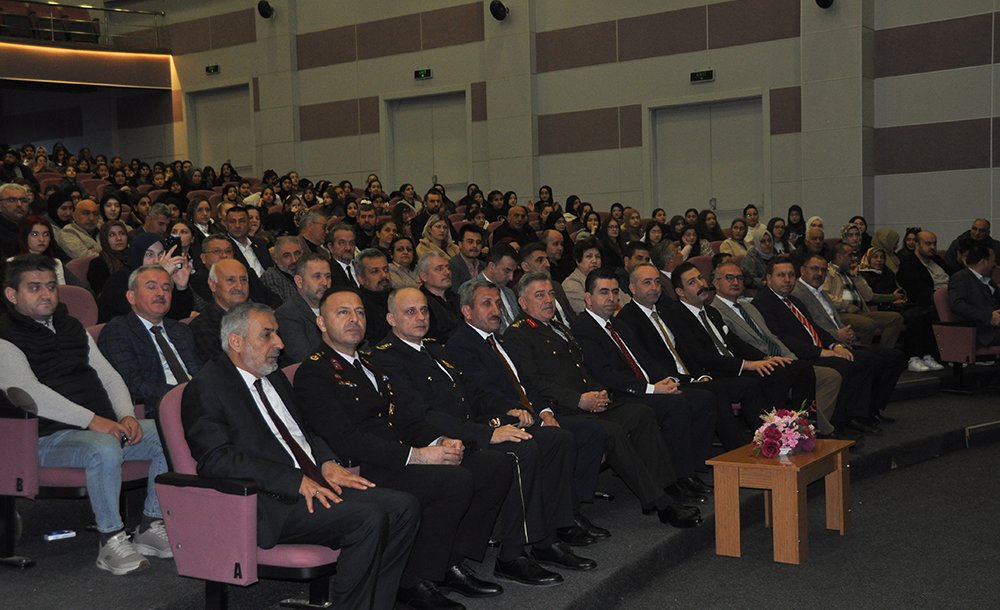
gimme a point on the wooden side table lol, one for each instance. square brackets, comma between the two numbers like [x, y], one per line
[784, 481]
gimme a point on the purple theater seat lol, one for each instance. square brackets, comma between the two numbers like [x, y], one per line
[956, 340]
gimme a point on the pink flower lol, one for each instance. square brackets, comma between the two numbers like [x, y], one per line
[784, 413]
[769, 448]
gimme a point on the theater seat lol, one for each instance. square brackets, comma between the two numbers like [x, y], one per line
[80, 303]
[956, 340]
[80, 267]
[212, 526]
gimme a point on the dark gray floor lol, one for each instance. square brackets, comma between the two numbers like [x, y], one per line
[643, 560]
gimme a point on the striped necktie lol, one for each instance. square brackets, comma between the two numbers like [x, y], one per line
[804, 321]
[772, 347]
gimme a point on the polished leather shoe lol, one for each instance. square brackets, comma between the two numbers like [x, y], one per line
[559, 554]
[575, 535]
[863, 426]
[680, 492]
[697, 485]
[425, 596]
[596, 532]
[680, 516]
[462, 580]
[882, 418]
[526, 571]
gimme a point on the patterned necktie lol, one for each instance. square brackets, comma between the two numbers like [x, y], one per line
[710, 329]
[772, 347]
[632, 364]
[306, 463]
[173, 362]
[670, 344]
[804, 321]
[522, 398]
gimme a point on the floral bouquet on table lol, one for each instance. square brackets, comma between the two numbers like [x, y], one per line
[784, 432]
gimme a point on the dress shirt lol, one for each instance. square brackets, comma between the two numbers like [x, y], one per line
[354, 361]
[985, 279]
[696, 311]
[508, 312]
[349, 274]
[422, 349]
[824, 301]
[650, 388]
[250, 255]
[938, 275]
[280, 410]
[163, 359]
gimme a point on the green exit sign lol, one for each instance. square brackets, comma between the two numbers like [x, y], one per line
[213, 69]
[422, 74]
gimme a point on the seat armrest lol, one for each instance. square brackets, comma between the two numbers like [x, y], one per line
[233, 487]
[954, 323]
[9, 412]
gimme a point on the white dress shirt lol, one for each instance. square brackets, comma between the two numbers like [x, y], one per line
[278, 406]
[171, 380]
[603, 324]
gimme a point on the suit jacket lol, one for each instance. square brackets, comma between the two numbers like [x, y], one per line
[738, 325]
[280, 283]
[605, 360]
[460, 271]
[916, 280]
[259, 250]
[298, 330]
[130, 348]
[446, 314]
[574, 286]
[338, 277]
[230, 438]
[525, 235]
[816, 310]
[971, 300]
[206, 328]
[483, 368]
[637, 329]
[508, 297]
[376, 307]
[691, 333]
[784, 324]
[76, 242]
[357, 420]
[426, 392]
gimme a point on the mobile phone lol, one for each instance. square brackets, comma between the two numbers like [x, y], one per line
[170, 241]
[59, 535]
[124, 439]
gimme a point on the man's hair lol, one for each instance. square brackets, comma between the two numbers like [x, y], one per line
[313, 215]
[725, 263]
[601, 273]
[469, 228]
[359, 260]
[365, 207]
[239, 209]
[424, 264]
[582, 245]
[213, 275]
[532, 276]
[340, 226]
[675, 276]
[721, 258]
[215, 237]
[159, 209]
[304, 260]
[237, 321]
[977, 251]
[548, 234]
[779, 260]
[660, 254]
[529, 249]
[498, 253]
[133, 278]
[634, 273]
[434, 191]
[285, 240]
[811, 256]
[13, 185]
[467, 291]
[334, 290]
[25, 263]
[634, 246]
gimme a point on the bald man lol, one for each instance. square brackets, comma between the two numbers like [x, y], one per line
[79, 238]
[230, 285]
[924, 273]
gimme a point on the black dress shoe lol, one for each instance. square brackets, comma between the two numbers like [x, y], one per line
[680, 516]
[842, 431]
[575, 535]
[882, 418]
[596, 532]
[462, 580]
[678, 491]
[425, 596]
[559, 554]
[526, 571]
[697, 486]
[863, 426]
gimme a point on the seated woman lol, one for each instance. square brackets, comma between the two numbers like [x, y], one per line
[437, 238]
[180, 232]
[708, 226]
[402, 214]
[866, 239]
[111, 206]
[754, 264]
[609, 236]
[256, 229]
[676, 227]
[776, 227]
[655, 233]
[403, 263]
[199, 214]
[795, 227]
[590, 226]
[735, 244]
[851, 234]
[147, 249]
[909, 247]
[660, 215]
[690, 245]
[34, 236]
[60, 210]
[888, 241]
[114, 244]
[385, 234]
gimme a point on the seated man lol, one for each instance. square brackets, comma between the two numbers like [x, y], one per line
[850, 293]
[924, 273]
[974, 297]
[348, 402]
[297, 317]
[553, 368]
[499, 271]
[979, 232]
[431, 388]
[587, 254]
[79, 238]
[280, 277]
[250, 251]
[151, 352]
[465, 265]
[86, 417]
[241, 421]
[435, 282]
[228, 282]
[372, 268]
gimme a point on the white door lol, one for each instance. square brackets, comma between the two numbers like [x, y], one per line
[427, 137]
[223, 128]
[709, 152]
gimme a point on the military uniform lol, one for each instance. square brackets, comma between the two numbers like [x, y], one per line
[352, 409]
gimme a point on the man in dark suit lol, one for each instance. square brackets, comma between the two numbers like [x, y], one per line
[340, 243]
[552, 366]
[429, 387]
[213, 249]
[923, 273]
[979, 232]
[241, 421]
[534, 257]
[974, 297]
[372, 269]
[686, 418]
[228, 281]
[436, 283]
[479, 352]
[348, 401]
[466, 264]
[280, 278]
[151, 352]
[499, 271]
[250, 251]
[297, 317]
[516, 227]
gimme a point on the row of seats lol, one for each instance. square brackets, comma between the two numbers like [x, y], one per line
[47, 22]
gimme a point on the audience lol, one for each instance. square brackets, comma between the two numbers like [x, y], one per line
[228, 282]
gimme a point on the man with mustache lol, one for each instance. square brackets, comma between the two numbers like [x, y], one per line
[151, 352]
[230, 285]
[372, 269]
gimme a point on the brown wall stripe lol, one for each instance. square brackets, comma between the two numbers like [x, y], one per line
[368, 115]
[585, 45]
[256, 94]
[207, 33]
[326, 48]
[452, 26]
[389, 36]
[661, 34]
[595, 129]
[748, 21]
[786, 110]
[933, 147]
[26, 62]
[630, 126]
[478, 101]
[939, 45]
[329, 120]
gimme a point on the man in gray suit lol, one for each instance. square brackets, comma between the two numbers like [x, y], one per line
[973, 295]
[743, 319]
[297, 317]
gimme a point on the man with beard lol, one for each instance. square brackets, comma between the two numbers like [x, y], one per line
[14, 202]
[466, 264]
[364, 234]
[281, 277]
[229, 283]
[372, 269]
[297, 317]
[79, 238]
[12, 170]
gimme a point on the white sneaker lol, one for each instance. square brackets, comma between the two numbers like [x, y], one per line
[153, 542]
[119, 556]
[932, 364]
[916, 365]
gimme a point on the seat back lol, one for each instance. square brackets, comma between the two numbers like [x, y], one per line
[289, 371]
[956, 343]
[80, 267]
[95, 332]
[172, 432]
[19, 466]
[81, 304]
[942, 305]
[704, 264]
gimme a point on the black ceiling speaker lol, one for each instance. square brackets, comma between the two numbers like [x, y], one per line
[824, 4]
[498, 10]
[265, 9]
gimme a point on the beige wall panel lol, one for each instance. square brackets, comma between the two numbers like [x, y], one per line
[581, 172]
[331, 157]
[274, 54]
[895, 13]
[629, 198]
[832, 104]
[786, 157]
[630, 168]
[941, 201]
[831, 153]
[834, 199]
[831, 54]
[234, 63]
[327, 84]
[764, 64]
[783, 194]
[481, 174]
[277, 125]
[509, 97]
[933, 97]
[275, 89]
[275, 155]
[511, 137]
[505, 56]
[517, 174]
[457, 64]
[370, 155]
[586, 88]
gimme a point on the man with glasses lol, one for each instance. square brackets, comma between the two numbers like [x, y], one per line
[14, 201]
[312, 233]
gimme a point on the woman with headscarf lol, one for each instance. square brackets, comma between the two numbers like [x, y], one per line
[850, 234]
[147, 249]
[815, 222]
[572, 202]
[795, 228]
[60, 211]
[909, 247]
[676, 227]
[887, 240]
[866, 239]
[754, 264]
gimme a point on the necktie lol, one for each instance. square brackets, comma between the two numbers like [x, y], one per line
[173, 362]
[306, 464]
[670, 344]
[772, 347]
[632, 364]
[560, 329]
[804, 321]
[350, 275]
[522, 398]
[719, 345]
[361, 370]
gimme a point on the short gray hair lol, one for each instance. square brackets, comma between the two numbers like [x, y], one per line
[312, 216]
[467, 291]
[284, 240]
[359, 260]
[237, 321]
[214, 277]
[13, 185]
[159, 209]
[660, 254]
[133, 278]
[632, 274]
[530, 277]
[305, 259]
[424, 264]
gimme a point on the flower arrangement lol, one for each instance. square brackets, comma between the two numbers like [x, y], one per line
[784, 432]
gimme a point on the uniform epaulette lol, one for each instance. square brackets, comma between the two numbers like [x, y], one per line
[316, 357]
[518, 323]
[429, 340]
[531, 322]
[383, 346]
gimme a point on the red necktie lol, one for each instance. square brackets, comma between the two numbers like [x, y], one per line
[628, 356]
[805, 322]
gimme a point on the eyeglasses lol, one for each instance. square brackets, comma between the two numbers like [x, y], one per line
[733, 278]
[14, 200]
